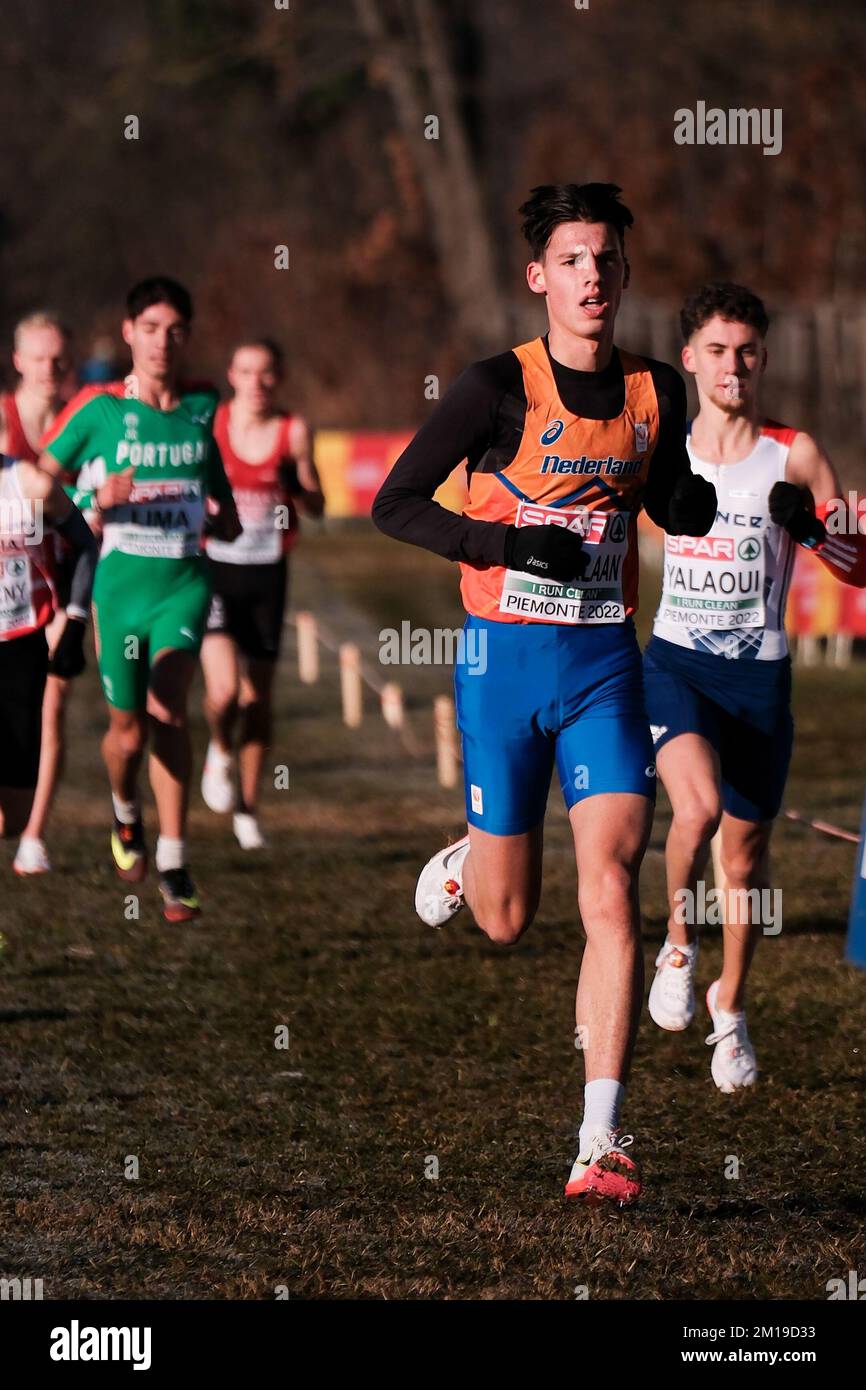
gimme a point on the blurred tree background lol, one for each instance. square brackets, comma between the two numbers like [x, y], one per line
[307, 127]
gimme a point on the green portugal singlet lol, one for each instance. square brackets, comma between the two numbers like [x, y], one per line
[151, 591]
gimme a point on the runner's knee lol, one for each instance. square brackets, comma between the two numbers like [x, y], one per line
[742, 863]
[697, 821]
[504, 922]
[606, 897]
[222, 700]
[127, 736]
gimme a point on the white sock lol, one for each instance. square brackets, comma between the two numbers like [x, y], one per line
[170, 854]
[601, 1102]
[127, 812]
[218, 757]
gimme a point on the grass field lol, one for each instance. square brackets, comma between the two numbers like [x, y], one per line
[304, 1167]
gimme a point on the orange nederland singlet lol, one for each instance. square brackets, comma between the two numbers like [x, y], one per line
[587, 475]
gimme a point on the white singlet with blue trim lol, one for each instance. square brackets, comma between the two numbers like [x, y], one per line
[725, 593]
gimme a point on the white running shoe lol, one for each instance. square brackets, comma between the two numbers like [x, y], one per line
[247, 831]
[31, 857]
[216, 784]
[734, 1065]
[672, 996]
[439, 891]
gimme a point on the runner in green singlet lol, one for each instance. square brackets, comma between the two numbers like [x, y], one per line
[142, 453]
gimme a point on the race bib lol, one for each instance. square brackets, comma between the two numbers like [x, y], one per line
[597, 597]
[263, 536]
[163, 519]
[16, 589]
[714, 581]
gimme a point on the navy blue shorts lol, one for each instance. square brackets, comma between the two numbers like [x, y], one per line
[538, 693]
[742, 708]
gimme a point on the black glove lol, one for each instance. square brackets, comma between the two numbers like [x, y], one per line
[692, 508]
[68, 658]
[546, 552]
[790, 506]
[289, 480]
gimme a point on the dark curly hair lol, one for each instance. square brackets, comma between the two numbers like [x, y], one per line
[734, 303]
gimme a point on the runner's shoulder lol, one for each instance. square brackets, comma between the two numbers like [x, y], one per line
[785, 434]
[669, 386]
[496, 374]
[34, 482]
[90, 399]
[200, 400]
[665, 376]
[482, 386]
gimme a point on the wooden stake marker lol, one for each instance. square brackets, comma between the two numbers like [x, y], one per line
[392, 705]
[446, 741]
[350, 684]
[308, 648]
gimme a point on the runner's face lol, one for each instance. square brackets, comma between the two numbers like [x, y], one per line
[583, 274]
[156, 338]
[42, 360]
[254, 378]
[728, 361]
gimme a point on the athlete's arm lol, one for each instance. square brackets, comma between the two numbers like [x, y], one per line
[809, 505]
[676, 499]
[310, 497]
[57, 510]
[461, 427]
[66, 441]
[224, 524]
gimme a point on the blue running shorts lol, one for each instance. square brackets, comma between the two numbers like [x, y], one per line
[538, 692]
[742, 708]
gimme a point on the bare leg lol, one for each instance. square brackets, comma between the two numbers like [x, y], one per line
[502, 881]
[746, 865]
[170, 764]
[255, 704]
[123, 750]
[689, 768]
[611, 832]
[219, 662]
[52, 754]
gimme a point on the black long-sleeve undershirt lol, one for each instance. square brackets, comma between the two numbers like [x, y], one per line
[483, 414]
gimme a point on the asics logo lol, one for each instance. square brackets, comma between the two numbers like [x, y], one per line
[553, 431]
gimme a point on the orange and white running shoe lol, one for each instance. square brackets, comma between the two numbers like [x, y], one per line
[605, 1173]
[439, 891]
